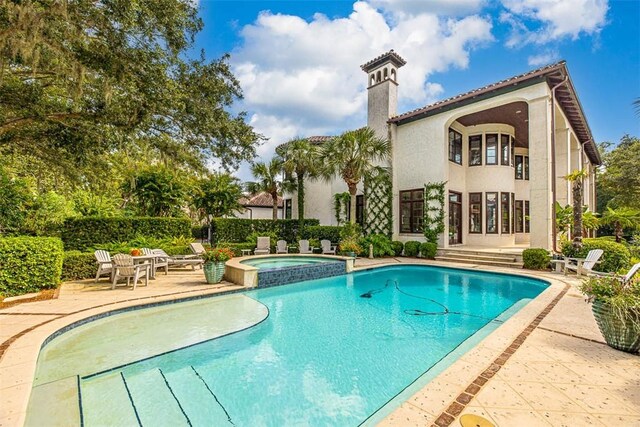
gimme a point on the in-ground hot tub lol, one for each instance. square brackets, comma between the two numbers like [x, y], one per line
[272, 270]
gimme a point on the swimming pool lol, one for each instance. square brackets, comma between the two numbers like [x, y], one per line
[283, 261]
[338, 351]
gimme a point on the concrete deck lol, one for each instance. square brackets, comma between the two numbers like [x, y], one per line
[547, 365]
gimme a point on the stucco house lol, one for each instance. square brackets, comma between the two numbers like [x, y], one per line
[259, 206]
[502, 151]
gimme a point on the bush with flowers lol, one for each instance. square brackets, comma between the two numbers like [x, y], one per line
[218, 255]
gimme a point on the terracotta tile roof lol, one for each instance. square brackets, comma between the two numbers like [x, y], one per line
[260, 200]
[552, 74]
[396, 59]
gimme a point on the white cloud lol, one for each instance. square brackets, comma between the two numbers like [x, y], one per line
[543, 58]
[553, 19]
[303, 78]
[440, 7]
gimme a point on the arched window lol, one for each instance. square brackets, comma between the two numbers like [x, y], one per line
[386, 74]
[372, 80]
[393, 74]
[378, 77]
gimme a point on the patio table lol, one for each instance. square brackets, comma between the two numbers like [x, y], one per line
[246, 252]
[141, 259]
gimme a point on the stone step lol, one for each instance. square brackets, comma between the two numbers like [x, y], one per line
[471, 253]
[484, 257]
[469, 260]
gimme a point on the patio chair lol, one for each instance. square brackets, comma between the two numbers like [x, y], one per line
[124, 268]
[327, 249]
[105, 266]
[180, 260]
[581, 265]
[197, 249]
[303, 246]
[281, 247]
[624, 279]
[160, 261]
[264, 246]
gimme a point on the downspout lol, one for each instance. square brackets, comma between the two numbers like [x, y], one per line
[553, 162]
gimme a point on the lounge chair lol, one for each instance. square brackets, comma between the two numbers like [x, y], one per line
[581, 265]
[197, 249]
[281, 247]
[159, 261]
[105, 266]
[125, 268]
[263, 247]
[327, 249]
[303, 246]
[624, 279]
[180, 260]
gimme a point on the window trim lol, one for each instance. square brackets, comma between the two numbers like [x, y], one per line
[480, 214]
[508, 145]
[502, 212]
[525, 167]
[457, 146]
[411, 202]
[496, 145]
[519, 224]
[480, 138]
[515, 166]
[526, 213]
[497, 212]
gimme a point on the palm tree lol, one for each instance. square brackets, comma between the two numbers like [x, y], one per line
[353, 156]
[269, 180]
[576, 178]
[299, 157]
[620, 219]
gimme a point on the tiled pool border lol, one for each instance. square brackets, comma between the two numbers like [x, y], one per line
[23, 392]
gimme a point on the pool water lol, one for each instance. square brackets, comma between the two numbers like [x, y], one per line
[281, 262]
[331, 352]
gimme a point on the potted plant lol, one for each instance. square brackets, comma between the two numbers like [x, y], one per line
[616, 307]
[214, 262]
[350, 247]
[135, 252]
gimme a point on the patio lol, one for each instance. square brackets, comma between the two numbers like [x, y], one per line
[547, 365]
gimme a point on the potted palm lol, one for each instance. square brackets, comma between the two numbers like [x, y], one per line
[214, 262]
[616, 308]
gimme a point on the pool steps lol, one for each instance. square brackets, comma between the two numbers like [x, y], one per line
[497, 259]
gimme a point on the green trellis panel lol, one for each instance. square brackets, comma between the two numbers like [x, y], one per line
[378, 207]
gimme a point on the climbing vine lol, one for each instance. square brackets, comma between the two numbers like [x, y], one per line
[433, 220]
[341, 206]
[378, 216]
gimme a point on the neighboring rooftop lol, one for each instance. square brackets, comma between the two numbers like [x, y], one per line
[260, 200]
[396, 59]
[553, 74]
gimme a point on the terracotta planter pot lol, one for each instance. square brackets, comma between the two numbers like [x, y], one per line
[213, 271]
[621, 334]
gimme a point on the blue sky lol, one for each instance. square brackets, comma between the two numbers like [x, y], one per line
[298, 61]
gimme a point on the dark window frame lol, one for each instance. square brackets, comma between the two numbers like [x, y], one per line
[479, 216]
[526, 168]
[496, 147]
[527, 222]
[359, 210]
[474, 138]
[455, 146]
[496, 215]
[413, 226]
[505, 221]
[519, 159]
[505, 161]
[519, 211]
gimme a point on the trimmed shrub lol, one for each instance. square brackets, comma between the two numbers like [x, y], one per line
[397, 247]
[237, 230]
[536, 259]
[78, 265]
[411, 248]
[320, 232]
[616, 256]
[179, 250]
[381, 245]
[237, 247]
[84, 232]
[428, 250]
[29, 264]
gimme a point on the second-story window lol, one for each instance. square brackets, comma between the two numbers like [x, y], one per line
[492, 148]
[455, 146]
[475, 150]
[504, 150]
[522, 167]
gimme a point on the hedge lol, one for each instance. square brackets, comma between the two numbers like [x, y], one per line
[411, 248]
[397, 247]
[236, 230]
[428, 250]
[237, 247]
[616, 256]
[78, 265]
[29, 264]
[320, 232]
[536, 259]
[81, 233]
